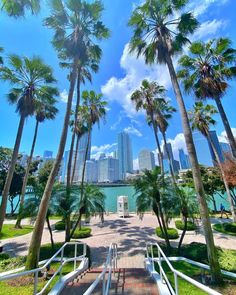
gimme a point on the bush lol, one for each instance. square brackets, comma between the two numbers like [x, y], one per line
[60, 225]
[180, 225]
[84, 232]
[226, 228]
[4, 256]
[172, 233]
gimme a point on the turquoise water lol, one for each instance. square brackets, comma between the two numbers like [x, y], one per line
[113, 192]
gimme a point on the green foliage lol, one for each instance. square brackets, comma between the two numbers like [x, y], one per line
[44, 172]
[4, 256]
[9, 231]
[171, 232]
[82, 233]
[60, 225]
[180, 225]
[12, 263]
[226, 228]
[18, 8]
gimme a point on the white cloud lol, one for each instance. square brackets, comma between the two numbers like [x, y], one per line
[201, 7]
[133, 130]
[223, 137]
[135, 164]
[120, 89]
[105, 148]
[64, 97]
[209, 29]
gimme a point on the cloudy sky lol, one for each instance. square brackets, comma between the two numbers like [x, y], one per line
[120, 73]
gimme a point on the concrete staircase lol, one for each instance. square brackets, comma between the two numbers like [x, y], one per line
[126, 281]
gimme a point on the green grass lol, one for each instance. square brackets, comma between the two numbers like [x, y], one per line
[180, 225]
[226, 228]
[84, 232]
[172, 233]
[9, 231]
[24, 285]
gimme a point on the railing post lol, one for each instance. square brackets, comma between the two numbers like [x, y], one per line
[62, 256]
[35, 282]
[75, 259]
[176, 284]
[153, 266]
[104, 284]
[159, 262]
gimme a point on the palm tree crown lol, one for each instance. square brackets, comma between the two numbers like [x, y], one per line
[157, 32]
[18, 8]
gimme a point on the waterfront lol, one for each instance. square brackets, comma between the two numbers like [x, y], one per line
[112, 192]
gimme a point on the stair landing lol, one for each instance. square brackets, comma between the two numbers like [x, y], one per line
[126, 281]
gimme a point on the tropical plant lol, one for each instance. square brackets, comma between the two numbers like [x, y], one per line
[18, 8]
[1, 58]
[94, 109]
[76, 25]
[150, 189]
[201, 118]
[44, 110]
[32, 80]
[207, 70]
[160, 32]
[144, 99]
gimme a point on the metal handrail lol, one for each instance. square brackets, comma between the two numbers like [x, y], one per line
[110, 266]
[63, 261]
[162, 256]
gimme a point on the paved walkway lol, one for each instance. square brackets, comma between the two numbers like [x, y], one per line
[130, 234]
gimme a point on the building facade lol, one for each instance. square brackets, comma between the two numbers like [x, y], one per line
[125, 155]
[184, 160]
[108, 170]
[146, 160]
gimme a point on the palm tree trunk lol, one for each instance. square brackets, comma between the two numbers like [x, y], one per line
[169, 160]
[50, 231]
[22, 198]
[232, 209]
[76, 156]
[228, 130]
[11, 170]
[211, 249]
[185, 219]
[164, 227]
[160, 157]
[34, 248]
[67, 228]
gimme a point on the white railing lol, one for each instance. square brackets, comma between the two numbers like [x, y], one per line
[177, 274]
[106, 275]
[63, 260]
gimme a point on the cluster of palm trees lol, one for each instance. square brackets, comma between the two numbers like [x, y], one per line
[160, 32]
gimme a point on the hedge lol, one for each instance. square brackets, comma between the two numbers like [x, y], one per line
[226, 228]
[172, 233]
[4, 256]
[180, 225]
[60, 225]
[84, 232]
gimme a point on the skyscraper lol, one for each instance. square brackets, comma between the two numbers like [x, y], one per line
[47, 155]
[204, 154]
[215, 140]
[146, 160]
[125, 155]
[168, 148]
[225, 147]
[108, 169]
[184, 160]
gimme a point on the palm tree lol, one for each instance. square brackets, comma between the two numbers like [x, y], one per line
[1, 58]
[202, 118]
[76, 25]
[45, 110]
[94, 109]
[144, 99]
[149, 190]
[18, 8]
[32, 79]
[206, 71]
[160, 30]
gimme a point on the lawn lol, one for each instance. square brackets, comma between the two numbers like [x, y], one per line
[9, 231]
[226, 228]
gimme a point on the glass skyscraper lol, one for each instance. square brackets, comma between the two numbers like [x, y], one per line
[215, 140]
[125, 155]
[225, 147]
[146, 160]
[184, 160]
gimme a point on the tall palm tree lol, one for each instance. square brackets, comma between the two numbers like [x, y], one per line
[144, 99]
[94, 110]
[45, 110]
[76, 25]
[202, 118]
[160, 30]
[1, 58]
[31, 79]
[18, 8]
[149, 189]
[206, 71]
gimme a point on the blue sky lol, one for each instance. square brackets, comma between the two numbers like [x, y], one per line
[120, 73]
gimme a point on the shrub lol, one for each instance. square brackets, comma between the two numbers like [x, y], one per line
[84, 232]
[180, 225]
[60, 225]
[226, 228]
[4, 256]
[172, 233]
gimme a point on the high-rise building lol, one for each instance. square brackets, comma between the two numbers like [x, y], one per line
[176, 166]
[65, 165]
[91, 171]
[47, 154]
[225, 147]
[125, 155]
[216, 143]
[108, 170]
[146, 160]
[168, 148]
[23, 160]
[184, 160]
